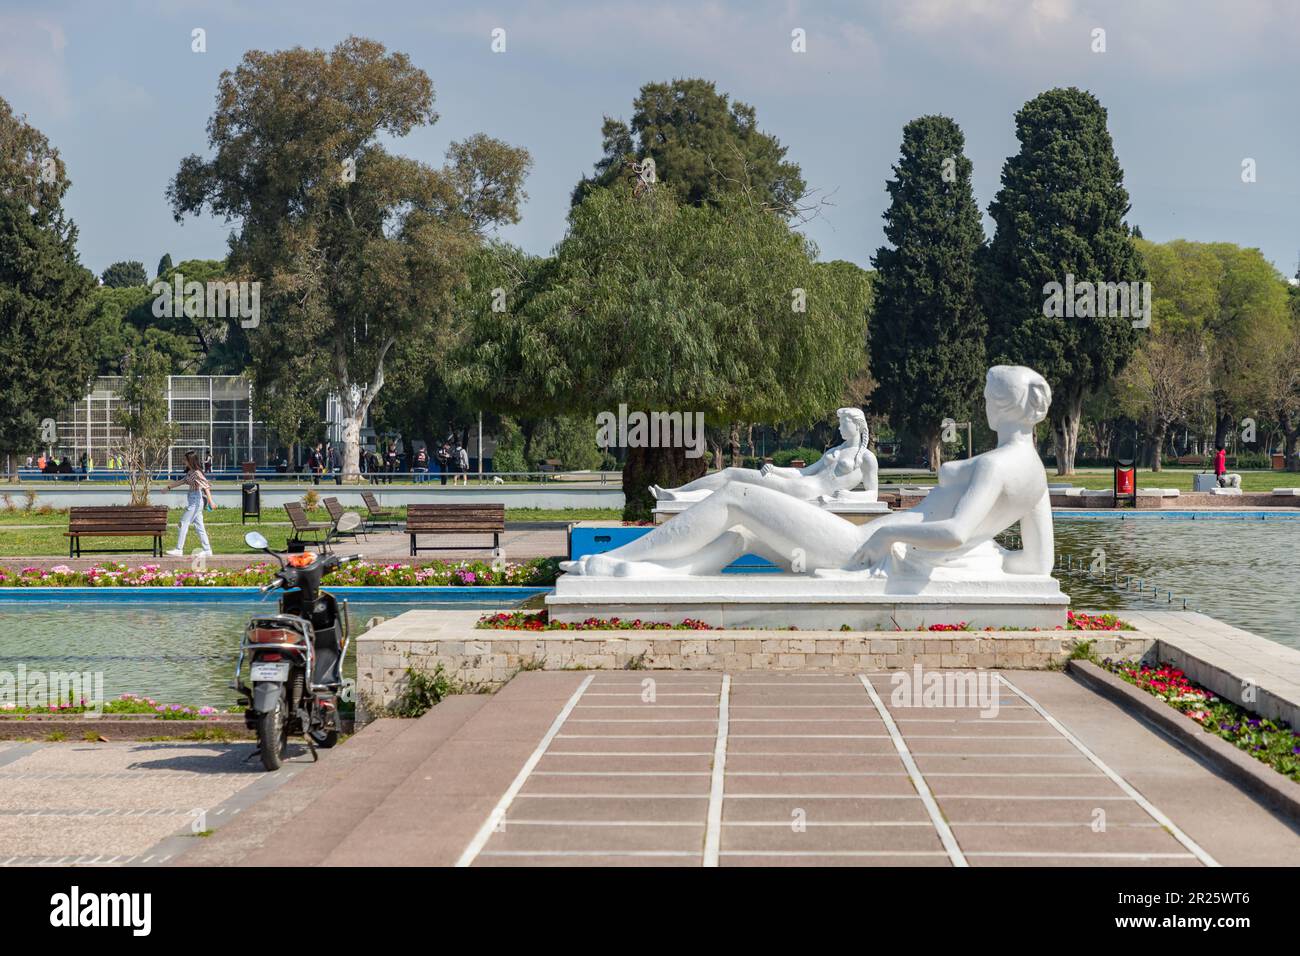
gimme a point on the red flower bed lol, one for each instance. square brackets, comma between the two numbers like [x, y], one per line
[540, 621]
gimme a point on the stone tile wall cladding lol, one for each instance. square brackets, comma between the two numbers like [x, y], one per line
[490, 658]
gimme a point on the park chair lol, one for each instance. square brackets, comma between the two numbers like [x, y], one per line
[336, 513]
[302, 525]
[376, 515]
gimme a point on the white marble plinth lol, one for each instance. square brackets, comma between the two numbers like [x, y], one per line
[808, 601]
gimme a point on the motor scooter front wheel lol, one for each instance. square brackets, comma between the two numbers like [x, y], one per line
[273, 732]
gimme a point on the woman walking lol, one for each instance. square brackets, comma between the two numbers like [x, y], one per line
[200, 493]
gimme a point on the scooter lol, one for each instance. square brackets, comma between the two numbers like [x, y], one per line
[295, 673]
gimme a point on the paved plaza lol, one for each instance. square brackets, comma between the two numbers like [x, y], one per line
[757, 768]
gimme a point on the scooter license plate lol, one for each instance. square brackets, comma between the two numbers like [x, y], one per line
[269, 671]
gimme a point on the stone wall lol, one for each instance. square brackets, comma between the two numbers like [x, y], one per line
[488, 658]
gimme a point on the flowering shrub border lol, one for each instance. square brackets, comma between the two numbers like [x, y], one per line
[538, 572]
[1074, 621]
[540, 621]
[1272, 742]
[127, 704]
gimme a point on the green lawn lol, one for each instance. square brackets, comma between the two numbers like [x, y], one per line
[1180, 478]
[1099, 478]
[32, 533]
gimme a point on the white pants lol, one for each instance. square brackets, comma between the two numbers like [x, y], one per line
[193, 514]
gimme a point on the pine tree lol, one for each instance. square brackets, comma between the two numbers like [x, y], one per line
[124, 275]
[928, 330]
[1060, 214]
[45, 351]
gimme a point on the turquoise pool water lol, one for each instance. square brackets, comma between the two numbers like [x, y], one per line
[1240, 570]
[174, 653]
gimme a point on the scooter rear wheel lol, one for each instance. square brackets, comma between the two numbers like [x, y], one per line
[273, 732]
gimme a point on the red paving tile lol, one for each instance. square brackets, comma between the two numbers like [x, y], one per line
[812, 776]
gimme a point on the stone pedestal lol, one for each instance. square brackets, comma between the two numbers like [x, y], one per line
[814, 602]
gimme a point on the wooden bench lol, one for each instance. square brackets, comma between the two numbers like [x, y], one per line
[303, 525]
[455, 519]
[376, 515]
[116, 521]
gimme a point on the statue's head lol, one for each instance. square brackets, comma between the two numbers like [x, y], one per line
[853, 424]
[1017, 396]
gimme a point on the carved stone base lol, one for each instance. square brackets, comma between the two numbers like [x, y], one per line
[806, 602]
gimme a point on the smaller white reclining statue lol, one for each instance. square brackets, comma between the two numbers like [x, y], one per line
[831, 478]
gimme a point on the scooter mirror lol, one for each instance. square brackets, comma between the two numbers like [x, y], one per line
[255, 541]
[349, 521]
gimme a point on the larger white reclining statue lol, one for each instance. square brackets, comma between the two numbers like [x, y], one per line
[949, 535]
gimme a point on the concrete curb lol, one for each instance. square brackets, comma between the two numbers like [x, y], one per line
[121, 728]
[126, 727]
[1261, 781]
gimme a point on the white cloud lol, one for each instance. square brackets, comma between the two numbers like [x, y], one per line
[32, 63]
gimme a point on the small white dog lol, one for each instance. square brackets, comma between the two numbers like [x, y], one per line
[497, 480]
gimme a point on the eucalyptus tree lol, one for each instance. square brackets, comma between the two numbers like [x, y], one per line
[356, 248]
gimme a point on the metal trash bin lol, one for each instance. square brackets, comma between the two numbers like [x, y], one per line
[252, 502]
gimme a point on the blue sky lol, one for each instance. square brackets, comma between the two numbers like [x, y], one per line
[1193, 87]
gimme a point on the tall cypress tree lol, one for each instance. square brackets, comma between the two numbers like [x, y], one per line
[45, 348]
[928, 330]
[1060, 213]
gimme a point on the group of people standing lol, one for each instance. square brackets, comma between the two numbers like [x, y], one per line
[452, 457]
[386, 460]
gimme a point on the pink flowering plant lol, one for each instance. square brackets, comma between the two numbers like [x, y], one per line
[126, 704]
[538, 572]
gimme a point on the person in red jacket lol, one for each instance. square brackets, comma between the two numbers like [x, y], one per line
[1220, 463]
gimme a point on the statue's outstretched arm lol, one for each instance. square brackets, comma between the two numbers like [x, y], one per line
[1037, 541]
[982, 495]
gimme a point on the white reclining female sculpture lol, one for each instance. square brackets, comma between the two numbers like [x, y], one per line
[834, 475]
[949, 534]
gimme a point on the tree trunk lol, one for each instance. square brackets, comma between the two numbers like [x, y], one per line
[1291, 450]
[1065, 432]
[1157, 436]
[734, 441]
[11, 466]
[666, 467]
[935, 448]
[352, 446]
